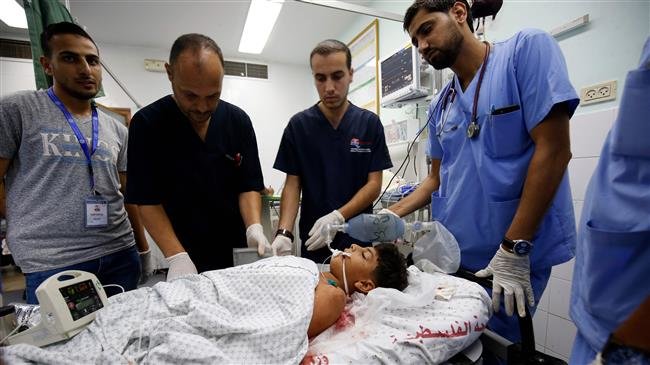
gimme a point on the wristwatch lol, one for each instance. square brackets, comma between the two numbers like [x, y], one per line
[518, 247]
[285, 232]
[617, 353]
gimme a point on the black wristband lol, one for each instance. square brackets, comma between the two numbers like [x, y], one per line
[285, 232]
[616, 353]
[508, 245]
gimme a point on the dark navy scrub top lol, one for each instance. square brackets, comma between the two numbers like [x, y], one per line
[198, 183]
[333, 164]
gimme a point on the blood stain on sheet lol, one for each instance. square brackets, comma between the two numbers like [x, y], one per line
[345, 320]
[312, 359]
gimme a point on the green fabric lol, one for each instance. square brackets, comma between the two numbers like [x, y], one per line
[40, 14]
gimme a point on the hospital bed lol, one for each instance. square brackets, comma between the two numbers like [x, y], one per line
[497, 346]
[183, 321]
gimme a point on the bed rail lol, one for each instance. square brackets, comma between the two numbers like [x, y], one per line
[512, 353]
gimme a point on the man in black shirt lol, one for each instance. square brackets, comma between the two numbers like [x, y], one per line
[193, 165]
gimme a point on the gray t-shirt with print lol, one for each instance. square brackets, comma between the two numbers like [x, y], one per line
[47, 184]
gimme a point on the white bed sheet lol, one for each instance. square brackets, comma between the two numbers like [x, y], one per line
[251, 314]
[416, 326]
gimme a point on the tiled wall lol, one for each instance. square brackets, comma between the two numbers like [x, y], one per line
[554, 330]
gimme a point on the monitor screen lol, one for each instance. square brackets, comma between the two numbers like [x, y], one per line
[81, 298]
[397, 71]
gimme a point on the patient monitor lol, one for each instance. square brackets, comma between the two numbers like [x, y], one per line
[69, 301]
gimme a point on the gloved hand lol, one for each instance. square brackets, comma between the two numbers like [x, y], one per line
[255, 238]
[281, 245]
[179, 265]
[511, 275]
[388, 211]
[317, 238]
[146, 266]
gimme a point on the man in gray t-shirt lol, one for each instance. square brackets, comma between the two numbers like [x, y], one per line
[65, 209]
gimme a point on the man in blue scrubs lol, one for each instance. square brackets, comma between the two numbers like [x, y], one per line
[610, 292]
[334, 152]
[499, 144]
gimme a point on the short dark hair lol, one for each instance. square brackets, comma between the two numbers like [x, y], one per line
[435, 5]
[195, 42]
[391, 267]
[330, 46]
[61, 28]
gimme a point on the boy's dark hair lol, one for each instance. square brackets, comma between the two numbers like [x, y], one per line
[61, 28]
[435, 5]
[195, 42]
[391, 267]
[330, 46]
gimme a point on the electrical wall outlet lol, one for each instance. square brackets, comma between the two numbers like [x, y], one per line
[154, 65]
[599, 92]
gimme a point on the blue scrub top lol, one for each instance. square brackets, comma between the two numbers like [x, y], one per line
[613, 262]
[481, 179]
[333, 164]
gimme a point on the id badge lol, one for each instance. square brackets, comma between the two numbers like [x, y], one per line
[96, 212]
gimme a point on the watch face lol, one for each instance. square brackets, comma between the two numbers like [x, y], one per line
[522, 247]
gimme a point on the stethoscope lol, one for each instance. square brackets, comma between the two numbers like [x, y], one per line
[473, 128]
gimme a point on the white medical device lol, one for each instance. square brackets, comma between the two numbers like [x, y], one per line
[69, 301]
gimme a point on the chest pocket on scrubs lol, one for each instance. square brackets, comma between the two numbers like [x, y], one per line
[616, 262]
[505, 134]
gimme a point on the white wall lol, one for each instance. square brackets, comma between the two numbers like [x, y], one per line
[606, 49]
[270, 103]
[15, 74]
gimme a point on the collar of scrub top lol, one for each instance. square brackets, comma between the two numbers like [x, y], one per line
[80, 137]
[451, 94]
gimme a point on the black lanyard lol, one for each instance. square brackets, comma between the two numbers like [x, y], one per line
[473, 129]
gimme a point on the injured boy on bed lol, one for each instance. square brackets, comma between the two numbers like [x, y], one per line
[255, 313]
[357, 269]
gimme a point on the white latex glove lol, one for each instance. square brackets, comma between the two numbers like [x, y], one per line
[388, 211]
[179, 265]
[317, 238]
[281, 245]
[146, 266]
[255, 238]
[511, 275]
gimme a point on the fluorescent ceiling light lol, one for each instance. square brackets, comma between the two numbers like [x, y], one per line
[261, 18]
[13, 14]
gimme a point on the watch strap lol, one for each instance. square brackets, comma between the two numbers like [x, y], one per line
[508, 245]
[285, 232]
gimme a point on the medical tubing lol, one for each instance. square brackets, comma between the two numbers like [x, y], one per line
[11, 333]
[21, 321]
[334, 254]
[408, 152]
[345, 279]
[329, 231]
[115, 285]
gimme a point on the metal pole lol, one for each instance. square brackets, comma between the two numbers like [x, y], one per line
[340, 5]
[120, 84]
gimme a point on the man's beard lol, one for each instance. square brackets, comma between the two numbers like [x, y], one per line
[441, 58]
[81, 95]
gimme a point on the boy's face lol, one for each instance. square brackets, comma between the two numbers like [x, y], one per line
[359, 267]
